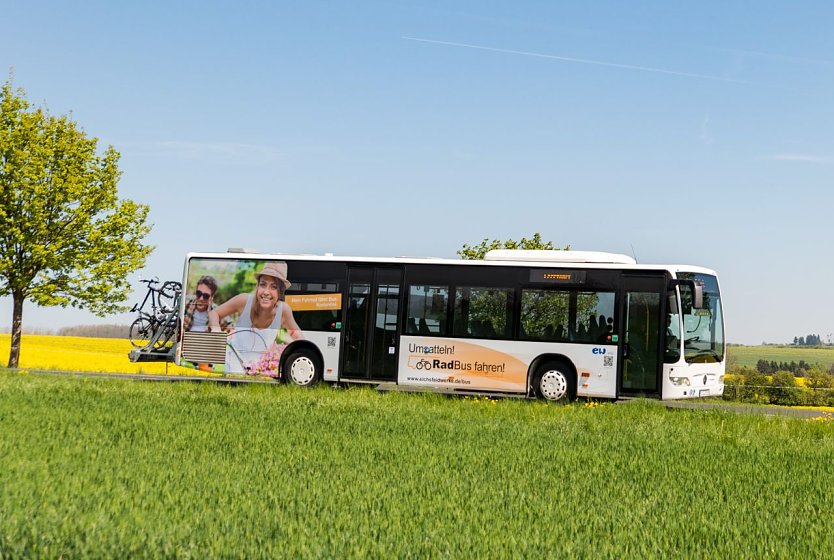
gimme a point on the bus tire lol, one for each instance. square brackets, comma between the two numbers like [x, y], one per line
[555, 382]
[302, 368]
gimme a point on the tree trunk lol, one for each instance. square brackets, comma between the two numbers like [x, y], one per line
[17, 327]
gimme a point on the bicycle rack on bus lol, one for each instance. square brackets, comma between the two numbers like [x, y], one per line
[162, 345]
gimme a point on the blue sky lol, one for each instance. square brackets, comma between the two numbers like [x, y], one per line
[696, 133]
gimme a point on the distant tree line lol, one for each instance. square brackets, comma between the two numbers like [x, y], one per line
[29, 330]
[810, 340]
[92, 331]
[95, 331]
[797, 368]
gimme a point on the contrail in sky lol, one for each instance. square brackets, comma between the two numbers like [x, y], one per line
[583, 61]
[803, 157]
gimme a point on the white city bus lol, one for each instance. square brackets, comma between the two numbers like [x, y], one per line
[551, 324]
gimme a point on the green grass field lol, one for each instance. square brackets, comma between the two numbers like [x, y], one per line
[749, 355]
[93, 467]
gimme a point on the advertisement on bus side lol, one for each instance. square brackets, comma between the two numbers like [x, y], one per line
[494, 365]
[239, 318]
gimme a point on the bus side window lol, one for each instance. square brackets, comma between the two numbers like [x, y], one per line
[426, 313]
[592, 312]
[483, 312]
[544, 314]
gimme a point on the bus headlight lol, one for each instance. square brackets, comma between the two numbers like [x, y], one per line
[678, 381]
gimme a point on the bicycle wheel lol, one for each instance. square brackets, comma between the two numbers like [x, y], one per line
[167, 295]
[165, 333]
[140, 332]
[246, 348]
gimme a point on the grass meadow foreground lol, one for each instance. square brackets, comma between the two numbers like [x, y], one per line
[93, 467]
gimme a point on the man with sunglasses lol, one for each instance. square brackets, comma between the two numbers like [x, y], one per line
[196, 310]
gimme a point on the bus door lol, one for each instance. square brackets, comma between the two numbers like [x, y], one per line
[372, 323]
[641, 333]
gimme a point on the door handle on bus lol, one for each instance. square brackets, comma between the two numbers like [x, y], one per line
[625, 350]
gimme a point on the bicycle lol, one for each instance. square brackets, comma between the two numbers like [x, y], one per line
[246, 347]
[163, 303]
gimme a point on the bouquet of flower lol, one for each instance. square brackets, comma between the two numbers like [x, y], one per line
[268, 362]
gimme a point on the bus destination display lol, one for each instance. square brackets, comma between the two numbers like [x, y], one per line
[557, 276]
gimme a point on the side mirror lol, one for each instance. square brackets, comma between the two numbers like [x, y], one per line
[697, 291]
[697, 295]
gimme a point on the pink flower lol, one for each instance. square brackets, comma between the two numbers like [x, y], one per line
[268, 362]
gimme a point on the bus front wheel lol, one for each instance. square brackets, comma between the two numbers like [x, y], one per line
[554, 382]
[302, 368]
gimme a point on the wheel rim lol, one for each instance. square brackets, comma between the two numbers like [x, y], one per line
[553, 385]
[140, 333]
[302, 371]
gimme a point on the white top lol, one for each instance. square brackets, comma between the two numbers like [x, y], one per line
[245, 319]
[247, 344]
[199, 321]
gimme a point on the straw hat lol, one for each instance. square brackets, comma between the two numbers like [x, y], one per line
[276, 270]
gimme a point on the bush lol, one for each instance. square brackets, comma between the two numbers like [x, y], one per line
[785, 389]
[747, 385]
[756, 388]
[733, 384]
[820, 388]
[818, 379]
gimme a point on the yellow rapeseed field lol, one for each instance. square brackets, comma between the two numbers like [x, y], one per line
[76, 353]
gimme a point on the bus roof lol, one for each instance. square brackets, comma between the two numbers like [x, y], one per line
[505, 257]
[557, 256]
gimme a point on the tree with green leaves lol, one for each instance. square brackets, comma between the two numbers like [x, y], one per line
[244, 281]
[542, 309]
[65, 237]
[476, 252]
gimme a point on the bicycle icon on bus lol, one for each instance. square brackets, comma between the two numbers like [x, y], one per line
[423, 364]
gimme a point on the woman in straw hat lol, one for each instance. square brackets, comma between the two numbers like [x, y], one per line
[264, 308]
[263, 312]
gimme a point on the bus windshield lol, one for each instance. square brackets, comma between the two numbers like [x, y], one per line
[703, 329]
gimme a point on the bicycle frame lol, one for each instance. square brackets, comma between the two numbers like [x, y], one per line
[140, 306]
[154, 295]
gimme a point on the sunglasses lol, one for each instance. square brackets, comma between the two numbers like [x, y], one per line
[203, 295]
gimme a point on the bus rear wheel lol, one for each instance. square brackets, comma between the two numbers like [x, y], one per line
[302, 368]
[554, 382]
